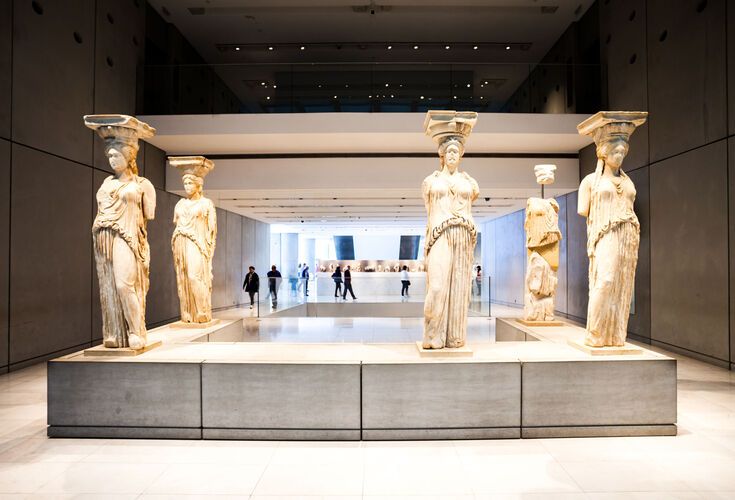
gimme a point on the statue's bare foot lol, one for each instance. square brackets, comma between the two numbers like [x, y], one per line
[432, 344]
[111, 343]
[136, 341]
[455, 345]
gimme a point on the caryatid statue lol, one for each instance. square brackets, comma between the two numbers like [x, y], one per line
[606, 198]
[543, 239]
[125, 203]
[451, 234]
[194, 240]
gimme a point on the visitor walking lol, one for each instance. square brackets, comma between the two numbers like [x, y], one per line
[337, 277]
[348, 284]
[405, 283]
[478, 281]
[251, 284]
[305, 277]
[274, 280]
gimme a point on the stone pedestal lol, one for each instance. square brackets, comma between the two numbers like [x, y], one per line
[627, 349]
[101, 350]
[446, 352]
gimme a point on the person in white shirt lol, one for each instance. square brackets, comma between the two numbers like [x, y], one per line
[404, 281]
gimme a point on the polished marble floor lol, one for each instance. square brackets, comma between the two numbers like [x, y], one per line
[699, 463]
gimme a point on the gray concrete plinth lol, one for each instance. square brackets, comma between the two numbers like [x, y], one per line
[281, 396]
[124, 432]
[599, 392]
[510, 330]
[441, 395]
[599, 431]
[282, 434]
[439, 434]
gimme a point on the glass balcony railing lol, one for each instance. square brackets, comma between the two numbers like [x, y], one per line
[370, 87]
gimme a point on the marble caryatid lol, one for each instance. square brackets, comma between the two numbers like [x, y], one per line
[194, 240]
[606, 199]
[451, 234]
[125, 203]
[542, 242]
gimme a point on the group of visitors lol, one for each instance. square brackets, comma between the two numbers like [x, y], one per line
[337, 277]
[252, 283]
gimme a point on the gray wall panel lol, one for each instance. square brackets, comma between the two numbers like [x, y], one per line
[561, 287]
[687, 75]
[689, 254]
[233, 249]
[219, 263]
[731, 68]
[120, 34]
[52, 72]
[4, 248]
[640, 321]
[6, 58]
[163, 301]
[510, 259]
[50, 255]
[577, 260]
[262, 249]
[623, 46]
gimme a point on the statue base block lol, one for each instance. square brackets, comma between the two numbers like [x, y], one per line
[447, 352]
[194, 326]
[552, 322]
[627, 349]
[101, 350]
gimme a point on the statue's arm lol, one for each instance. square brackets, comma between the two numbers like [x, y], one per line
[475, 189]
[212, 223]
[425, 190]
[584, 195]
[149, 200]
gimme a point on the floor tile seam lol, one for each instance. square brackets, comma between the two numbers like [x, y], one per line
[561, 464]
[53, 477]
[153, 481]
[260, 478]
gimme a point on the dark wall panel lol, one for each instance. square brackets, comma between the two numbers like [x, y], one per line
[163, 300]
[623, 47]
[4, 248]
[689, 254]
[587, 161]
[577, 260]
[6, 58]
[731, 67]
[561, 288]
[731, 238]
[510, 259]
[233, 250]
[97, 179]
[687, 75]
[50, 282]
[640, 321]
[154, 164]
[219, 263]
[53, 76]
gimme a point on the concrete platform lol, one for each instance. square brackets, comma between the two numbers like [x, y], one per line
[206, 389]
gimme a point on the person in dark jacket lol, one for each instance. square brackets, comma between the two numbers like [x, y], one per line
[251, 284]
[305, 277]
[337, 277]
[274, 280]
[348, 284]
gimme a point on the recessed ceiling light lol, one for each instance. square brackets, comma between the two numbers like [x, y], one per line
[455, 97]
[391, 95]
[507, 47]
[415, 47]
[422, 97]
[302, 47]
[268, 98]
[262, 83]
[446, 47]
[469, 85]
[481, 97]
[475, 47]
[320, 86]
[347, 86]
[274, 86]
[386, 84]
[370, 97]
[335, 97]
[237, 48]
[390, 47]
[270, 48]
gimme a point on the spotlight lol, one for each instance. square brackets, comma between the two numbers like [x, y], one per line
[270, 48]
[446, 47]
[262, 83]
[237, 48]
[390, 47]
[268, 98]
[475, 47]
[274, 86]
[386, 84]
[302, 48]
[507, 47]
[335, 97]
[422, 97]
[415, 47]
[455, 97]
[469, 85]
